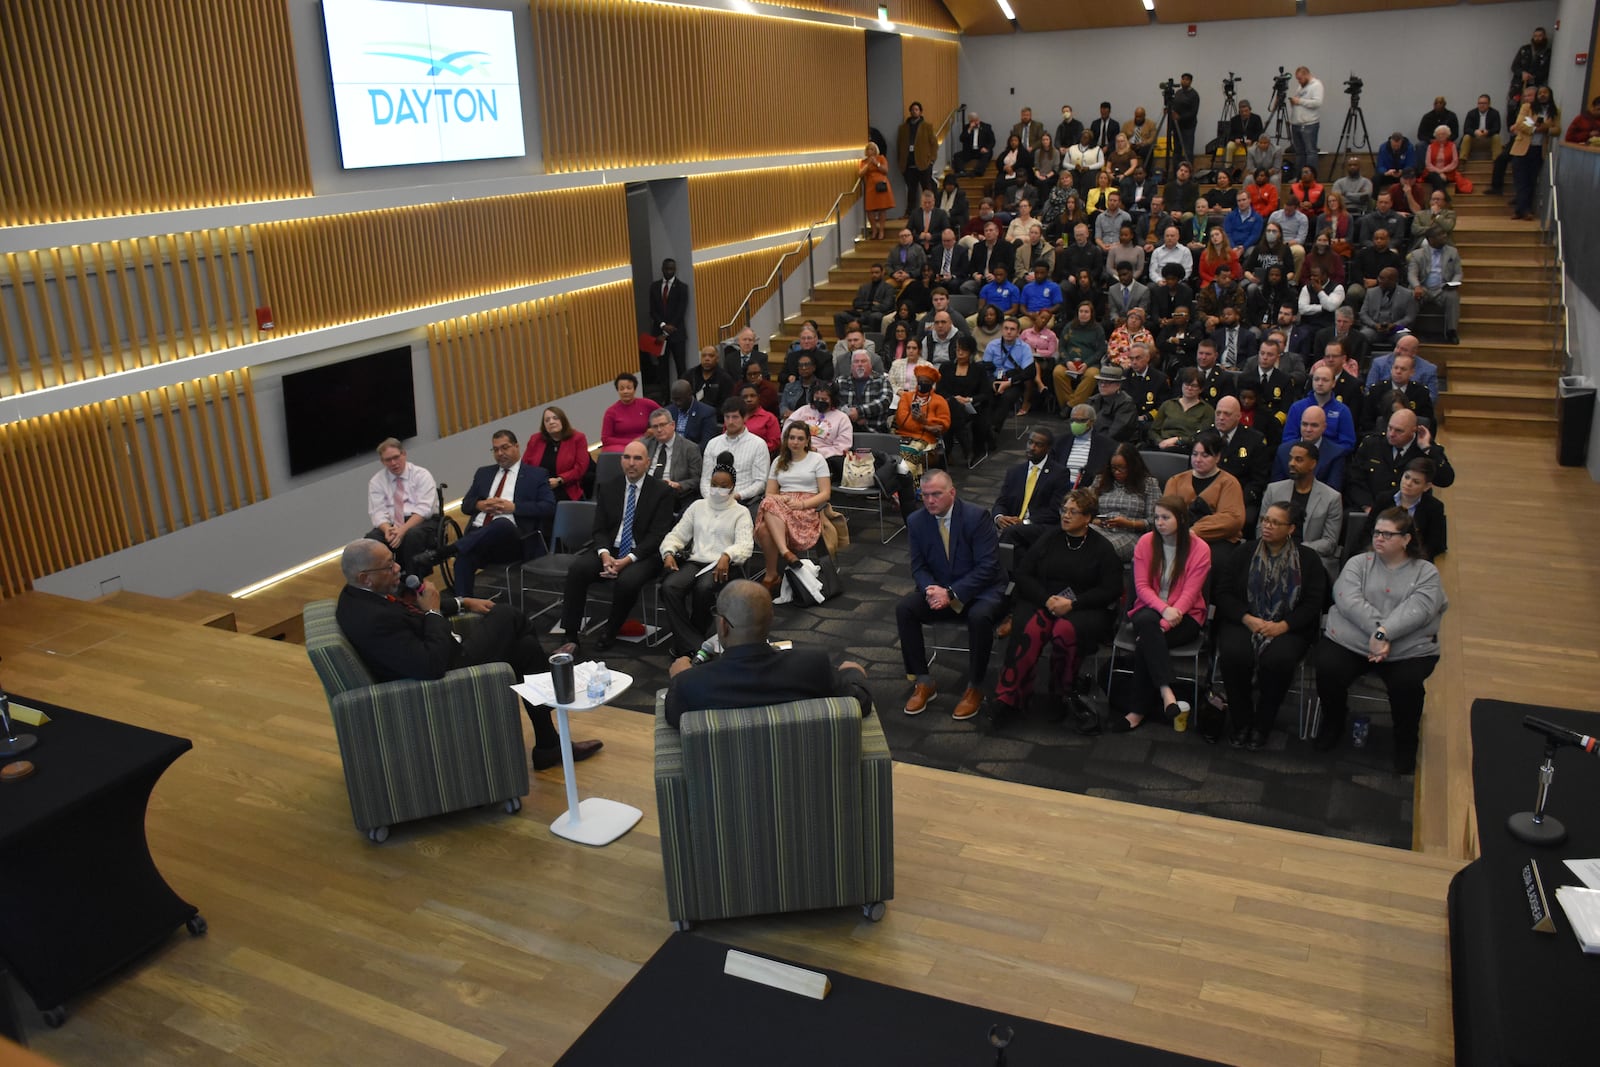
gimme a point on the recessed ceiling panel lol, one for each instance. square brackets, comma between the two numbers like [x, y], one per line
[1350, 7]
[1035, 16]
[1186, 11]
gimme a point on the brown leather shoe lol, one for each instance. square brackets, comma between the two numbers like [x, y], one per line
[1004, 629]
[971, 701]
[921, 697]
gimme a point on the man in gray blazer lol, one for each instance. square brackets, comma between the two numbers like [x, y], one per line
[675, 460]
[1322, 517]
[1434, 271]
[1388, 310]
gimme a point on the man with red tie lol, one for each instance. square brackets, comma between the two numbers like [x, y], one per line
[505, 506]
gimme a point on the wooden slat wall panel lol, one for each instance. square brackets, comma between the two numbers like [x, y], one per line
[130, 459]
[927, 14]
[744, 204]
[740, 85]
[928, 73]
[146, 105]
[324, 271]
[491, 364]
[71, 327]
[721, 285]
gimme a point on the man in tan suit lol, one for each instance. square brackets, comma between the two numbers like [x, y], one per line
[916, 146]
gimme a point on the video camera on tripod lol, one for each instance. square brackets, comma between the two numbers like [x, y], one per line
[1167, 88]
[1229, 82]
[1353, 86]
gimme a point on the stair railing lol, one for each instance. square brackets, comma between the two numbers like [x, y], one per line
[1550, 220]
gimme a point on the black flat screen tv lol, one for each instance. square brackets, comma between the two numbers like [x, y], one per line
[344, 409]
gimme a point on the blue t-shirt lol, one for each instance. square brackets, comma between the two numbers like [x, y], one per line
[1036, 295]
[1002, 295]
[1018, 357]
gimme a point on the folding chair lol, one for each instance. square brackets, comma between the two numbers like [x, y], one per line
[1163, 465]
[877, 442]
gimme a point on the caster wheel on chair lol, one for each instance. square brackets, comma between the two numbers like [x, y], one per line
[513, 805]
[378, 834]
[874, 911]
[55, 1017]
[196, 925]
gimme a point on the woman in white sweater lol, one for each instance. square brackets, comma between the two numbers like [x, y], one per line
[1385, 618]
[720, 531]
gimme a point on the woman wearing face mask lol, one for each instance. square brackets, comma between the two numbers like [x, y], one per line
[1270, 251]
[1170, 565]
[1268, 605]
[1067, 586]
[719, 529]
[1213, 496]
[1387, 605]
[798, 487]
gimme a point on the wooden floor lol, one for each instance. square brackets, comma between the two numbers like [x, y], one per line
[482, 938]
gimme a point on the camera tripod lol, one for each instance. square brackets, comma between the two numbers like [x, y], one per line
[1173, 144]
[1219, 147]
[1347, 137]
[1277, 119]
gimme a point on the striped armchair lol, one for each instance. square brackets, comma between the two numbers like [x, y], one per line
[774, 809]
[412, 749]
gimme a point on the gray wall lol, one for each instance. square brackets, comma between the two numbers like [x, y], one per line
[1468, 50]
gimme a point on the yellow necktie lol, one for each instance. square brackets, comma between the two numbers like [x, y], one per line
[944, 535]
[1027, 494]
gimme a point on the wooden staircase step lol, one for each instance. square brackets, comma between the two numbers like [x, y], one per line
[1498, 298]
[1486, 355]
[1500, 424]
[268, 613]
[1491, 376]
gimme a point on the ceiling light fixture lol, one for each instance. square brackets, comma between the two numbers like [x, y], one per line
[1005, 9]
[1149, 5]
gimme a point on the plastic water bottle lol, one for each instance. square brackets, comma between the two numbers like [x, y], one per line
[599, 682]
[1359, 728]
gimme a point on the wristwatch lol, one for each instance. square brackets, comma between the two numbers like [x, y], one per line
[1380, 634]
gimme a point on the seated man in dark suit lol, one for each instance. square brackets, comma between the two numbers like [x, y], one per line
[1082, 453]
[633, 514]
[693, 419]
[673, 459]
[955, 563]
[399, 635]
[1030, 492]
[507, 503]
[1236, 343]
[1245, 455]
[750, 673]
[1381, 459]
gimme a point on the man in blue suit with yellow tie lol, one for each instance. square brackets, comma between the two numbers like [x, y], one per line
[955, 561]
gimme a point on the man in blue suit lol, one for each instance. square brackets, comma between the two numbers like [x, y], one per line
[695, 420]
[955, 562]
[507, 502]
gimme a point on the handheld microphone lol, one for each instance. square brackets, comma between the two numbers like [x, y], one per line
[413, 583]
[1561, 735]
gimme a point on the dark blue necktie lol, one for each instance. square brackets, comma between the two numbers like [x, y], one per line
[625, 538]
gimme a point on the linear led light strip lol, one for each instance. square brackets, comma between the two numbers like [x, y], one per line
[1005, 9]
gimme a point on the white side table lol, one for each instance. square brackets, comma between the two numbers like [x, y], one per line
[595, 821]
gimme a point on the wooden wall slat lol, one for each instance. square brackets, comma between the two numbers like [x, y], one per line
[745, 70]
[721, 285]
[492, 364]
[146, 105]
[928, 72]
[739, 205]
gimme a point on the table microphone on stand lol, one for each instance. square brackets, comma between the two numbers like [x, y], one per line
[1535, 827]
[13, 743]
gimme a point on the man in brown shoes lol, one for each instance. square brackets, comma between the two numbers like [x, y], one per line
[955, 562]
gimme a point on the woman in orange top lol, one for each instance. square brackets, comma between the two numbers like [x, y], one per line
[874, 171]
[923, 415]
[1309, 192]
[1217, 252]
[1263, 194]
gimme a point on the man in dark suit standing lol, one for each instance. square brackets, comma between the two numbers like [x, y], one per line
[401, 635]
[1030, 493]
[1105, 128]
[633, 514]
[955, 563]
[669, 303]
[506, 504]
[751, 673]
[673, 459]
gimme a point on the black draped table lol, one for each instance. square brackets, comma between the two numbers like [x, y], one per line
[1522, 997]
[80, 896]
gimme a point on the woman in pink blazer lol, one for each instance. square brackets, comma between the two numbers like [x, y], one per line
[561, 453]
[1170, 565]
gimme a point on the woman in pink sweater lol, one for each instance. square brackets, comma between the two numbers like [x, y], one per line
[628, 418]
[1170, 565]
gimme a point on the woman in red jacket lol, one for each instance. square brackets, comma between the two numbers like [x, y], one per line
[561, 452]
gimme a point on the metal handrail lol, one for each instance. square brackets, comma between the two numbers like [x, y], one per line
[835, 213]
[1561, 342]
